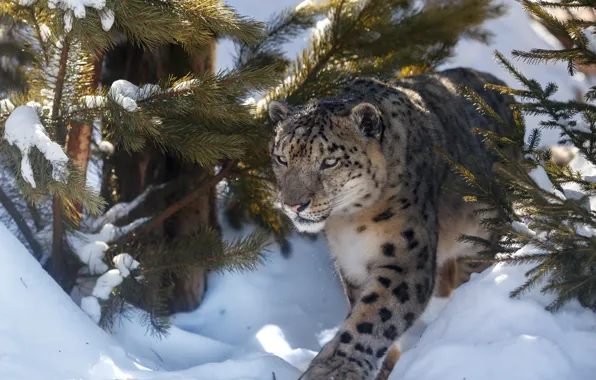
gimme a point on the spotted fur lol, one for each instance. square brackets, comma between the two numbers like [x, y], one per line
[363, 168]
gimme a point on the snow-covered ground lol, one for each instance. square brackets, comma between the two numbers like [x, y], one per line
[273, 320]
[44, 335]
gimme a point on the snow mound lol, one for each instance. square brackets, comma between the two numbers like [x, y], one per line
[288, 307]
[484, 334]
[275, 319]
[25, 131]
[44, 335]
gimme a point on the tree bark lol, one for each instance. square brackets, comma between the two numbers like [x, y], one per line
[126, 175]
[78, 140]
[60, 261]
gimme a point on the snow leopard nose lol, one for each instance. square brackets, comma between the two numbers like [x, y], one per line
[299, 207]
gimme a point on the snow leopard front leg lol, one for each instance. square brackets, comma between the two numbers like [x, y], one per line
[353, 293]
[400, 281]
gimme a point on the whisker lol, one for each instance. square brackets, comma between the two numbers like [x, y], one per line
[343, 198]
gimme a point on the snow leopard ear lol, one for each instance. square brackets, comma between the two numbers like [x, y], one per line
[278, 111]
[368, 118]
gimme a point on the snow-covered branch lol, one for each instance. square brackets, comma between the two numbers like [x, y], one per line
[105, 284]
[25, 131]
[127, 95]
[119, 211]
[77, 9]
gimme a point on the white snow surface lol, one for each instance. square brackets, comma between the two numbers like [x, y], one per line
[25, 131]
[275, 319]
[484, 334]
[44, 335]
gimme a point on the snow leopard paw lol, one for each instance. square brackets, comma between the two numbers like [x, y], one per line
[337, 368]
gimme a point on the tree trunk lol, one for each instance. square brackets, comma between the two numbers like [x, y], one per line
[126, 175]
[78, 140]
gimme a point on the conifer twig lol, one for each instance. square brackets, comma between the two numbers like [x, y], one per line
[39, 37]
[57, 258]
[174, 208]
[191, 197]
[61, 78]
[21, 224]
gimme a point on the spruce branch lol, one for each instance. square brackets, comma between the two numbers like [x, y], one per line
[58, 92]
[562, 245]
[39, 35]
[175, 207]
[17, 217]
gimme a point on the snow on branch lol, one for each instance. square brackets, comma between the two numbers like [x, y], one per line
[106, 17]
[6, 106]
[126, 94]
[105, 284]
[77, 9]
[25, 131]
[541, 179]
[77, 6]
[120, 210]
[522, 228]
[96, 280]
[106, 147]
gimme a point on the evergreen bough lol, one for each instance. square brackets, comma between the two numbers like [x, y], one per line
[555, 221]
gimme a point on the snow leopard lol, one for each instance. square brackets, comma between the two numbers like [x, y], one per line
[367, 168]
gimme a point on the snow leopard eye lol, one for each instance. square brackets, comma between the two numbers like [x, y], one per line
[329, 163]
[281, 160]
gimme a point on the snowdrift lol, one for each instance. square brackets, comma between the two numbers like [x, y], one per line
[252, 325]
[484, 334]
[44, 335]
